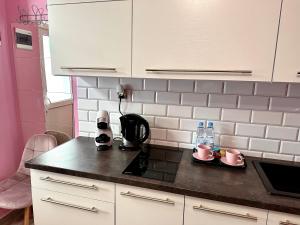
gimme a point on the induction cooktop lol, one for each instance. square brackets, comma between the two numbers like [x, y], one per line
[155, 163]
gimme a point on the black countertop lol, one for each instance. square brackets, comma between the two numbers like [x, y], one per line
[79, 157]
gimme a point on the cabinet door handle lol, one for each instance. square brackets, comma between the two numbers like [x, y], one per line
[50, 200]
[245, 216]
[107, 69]
[130, 194]
[213, 72]
[287, 222]
[298, 74]
[49, 179]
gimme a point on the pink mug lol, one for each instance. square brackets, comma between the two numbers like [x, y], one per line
[233, 156]
[204, 151]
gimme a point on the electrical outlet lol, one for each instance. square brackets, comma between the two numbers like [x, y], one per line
[121, 92]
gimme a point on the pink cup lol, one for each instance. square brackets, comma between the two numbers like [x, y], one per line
[204, 152]
[233, 156]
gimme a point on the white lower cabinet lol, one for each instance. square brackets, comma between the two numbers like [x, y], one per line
[277, 218]
[53, 208]
[136, 206]
[206, 212]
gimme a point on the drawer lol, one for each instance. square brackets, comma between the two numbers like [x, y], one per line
[206, 212]
[83, 187]
[51, 208]
[277, 218]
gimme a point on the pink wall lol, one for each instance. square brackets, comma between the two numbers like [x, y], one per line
[21, 93]
[11, 140]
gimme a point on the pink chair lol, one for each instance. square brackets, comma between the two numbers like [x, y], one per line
[15, 191]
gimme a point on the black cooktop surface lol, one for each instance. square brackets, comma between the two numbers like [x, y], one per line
[158, 164]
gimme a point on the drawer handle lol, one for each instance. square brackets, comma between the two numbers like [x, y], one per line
[287, 222]
[215, 72]
[130, 194]
[298, 74]
[93, 187]
[50, 200]
[245, 216]
[107, 69]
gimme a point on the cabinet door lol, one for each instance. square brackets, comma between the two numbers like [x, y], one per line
[216, 39]
[51, 208]
[287, 64]
[91, 39]
[206, 212]
[136, 206]
[276, 218]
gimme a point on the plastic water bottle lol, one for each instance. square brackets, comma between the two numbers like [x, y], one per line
[210, 134]
[201, 135]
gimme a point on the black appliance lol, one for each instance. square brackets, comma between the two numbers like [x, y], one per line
[155, 163]
[135, 130]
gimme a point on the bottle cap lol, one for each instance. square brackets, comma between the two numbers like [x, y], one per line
[200, 124]
[210, 125]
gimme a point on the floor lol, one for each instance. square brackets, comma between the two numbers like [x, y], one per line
[13, 218]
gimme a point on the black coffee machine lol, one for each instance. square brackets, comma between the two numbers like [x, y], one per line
[135, 130]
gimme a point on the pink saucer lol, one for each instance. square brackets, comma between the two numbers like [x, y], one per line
[195, 155]
[223, 160]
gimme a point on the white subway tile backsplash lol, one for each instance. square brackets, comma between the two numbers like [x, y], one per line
[282, 133]
[265, 117]
[291, 119]
[250, 130]
[238, 87]
[108, 82]
[87, 126]
[194, 99]
[87, 82]
[285, 104]
[278, 156]
[179, 136]
[223, 127]
[95, 93]
[294, 90]
[86, 104]
[81, 92]
[179, 111]
[288, 147]
[226, 101]
[253, 102]
[155, 109]
[167, 98]
[234, 142]
[83, 115]
[203, 86]
[160, 134]
[132, 84]
[165, 122]
[143, 96]
[236, 115]
[264, 145]
[261, 119]
[206, 113]
[188, 124]
[270, 89]
[155, 85]
[181, 85]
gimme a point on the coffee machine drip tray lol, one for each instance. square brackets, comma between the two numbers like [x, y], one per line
[155, 163]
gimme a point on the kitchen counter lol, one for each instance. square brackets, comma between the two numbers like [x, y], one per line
[79, 157]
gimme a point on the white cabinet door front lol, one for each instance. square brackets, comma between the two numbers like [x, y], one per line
[136, 206]
[53, 208]
[287, 64]
[206, 212]
[91, 39]
[277, 218]
[205, 39]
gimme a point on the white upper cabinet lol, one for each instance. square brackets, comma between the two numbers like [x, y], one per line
[287, 64]
[91, 39]
[205, 39]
